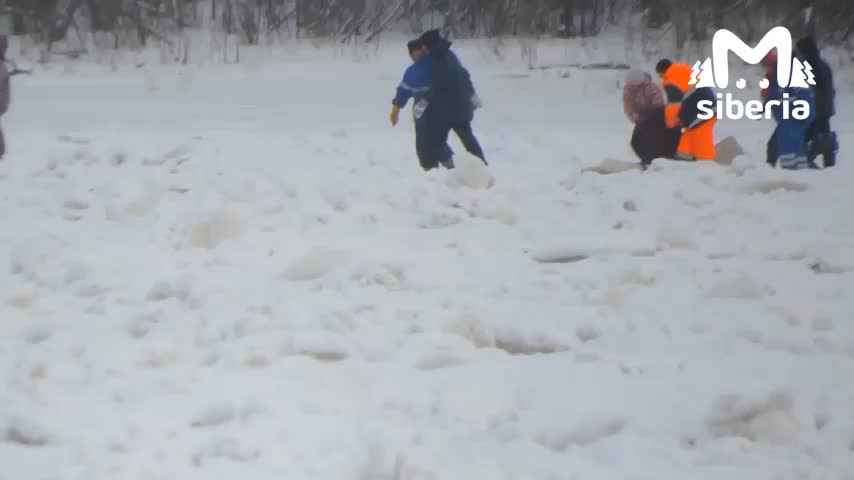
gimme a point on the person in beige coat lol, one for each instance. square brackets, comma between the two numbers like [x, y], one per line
[5, 89]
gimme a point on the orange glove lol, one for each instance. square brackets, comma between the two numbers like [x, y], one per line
[395, 114]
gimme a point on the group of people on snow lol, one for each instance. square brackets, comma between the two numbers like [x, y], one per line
[666, 116]
[444, 99]
[667, 123]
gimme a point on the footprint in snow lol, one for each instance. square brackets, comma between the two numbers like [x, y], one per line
[767, 186]
[213, 416]
[515, 344]
[438, 361]
[581, 435]
[586, 333]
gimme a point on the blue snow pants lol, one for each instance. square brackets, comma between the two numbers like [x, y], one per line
[787, 145]
[424, 139]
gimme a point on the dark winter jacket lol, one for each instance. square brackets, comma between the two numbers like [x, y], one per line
[652, 138]
[452, 88]
[823, 91]
[775, 92]
[5, 84]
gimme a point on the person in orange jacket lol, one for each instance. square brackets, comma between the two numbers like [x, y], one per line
[698, 136]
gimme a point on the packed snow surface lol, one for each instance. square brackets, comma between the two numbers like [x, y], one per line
[228, 272]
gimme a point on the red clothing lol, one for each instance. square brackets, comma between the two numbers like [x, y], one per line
[640, 98]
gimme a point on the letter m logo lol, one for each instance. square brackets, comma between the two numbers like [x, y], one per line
[725, 41]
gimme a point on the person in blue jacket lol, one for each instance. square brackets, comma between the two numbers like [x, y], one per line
[416, 84]
[452, 96]
[787, 145]
[821, 140]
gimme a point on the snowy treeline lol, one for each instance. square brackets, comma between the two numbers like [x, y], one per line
[132, 23]
[653, 27]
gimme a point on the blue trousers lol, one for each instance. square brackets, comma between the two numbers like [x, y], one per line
[787, 145]
[425, 148]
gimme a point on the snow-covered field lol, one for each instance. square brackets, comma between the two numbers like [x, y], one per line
[230, 272]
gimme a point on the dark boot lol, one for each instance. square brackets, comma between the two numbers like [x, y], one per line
[771, 150]
[830, 149]
[448, 160]
[813, 150]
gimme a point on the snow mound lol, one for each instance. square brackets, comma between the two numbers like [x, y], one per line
[218, 227]
[35, 260]
[213, 416]
[163, 290]
[176, 156]
[388, 275]
[323, 347]
[133, 197]
[581, 435]
[612, 243]
[226, 448]
[673, 235]
[438, 361]
[587, 333]
[315, 264]
[36, 334]
[741, 286]
[27, 433]
[22, 298]
[833, 261]
[440, 217]
[780, 418]
[473, 328]
[767, 186]
[470, 172]
[144, 324]
[610, 166]
[517, 342]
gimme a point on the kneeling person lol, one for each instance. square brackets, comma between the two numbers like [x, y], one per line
[698, 135]
[643, 104]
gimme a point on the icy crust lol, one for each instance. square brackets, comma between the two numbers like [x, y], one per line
[307, 304]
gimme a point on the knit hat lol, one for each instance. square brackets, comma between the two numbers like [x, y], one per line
[770, 58]
[637, 76]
